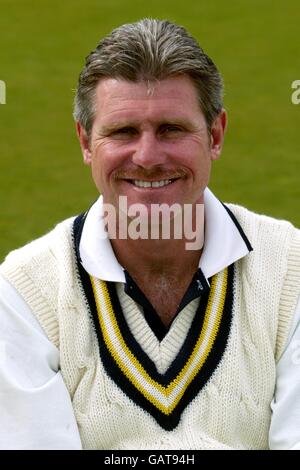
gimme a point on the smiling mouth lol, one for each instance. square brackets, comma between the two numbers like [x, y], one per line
[151, 184]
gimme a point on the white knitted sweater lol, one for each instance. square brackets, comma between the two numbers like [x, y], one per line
[232, 407]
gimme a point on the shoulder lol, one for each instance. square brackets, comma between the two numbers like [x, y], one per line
[36, 271]
[247, 216]
[263, 229]
[42, 247]
[275, 243]
[272, 270]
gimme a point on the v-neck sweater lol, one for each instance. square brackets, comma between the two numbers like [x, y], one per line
[226, 403]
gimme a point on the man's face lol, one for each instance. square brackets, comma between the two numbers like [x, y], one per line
[150, 142]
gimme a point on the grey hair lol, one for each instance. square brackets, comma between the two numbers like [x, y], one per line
[148, 50]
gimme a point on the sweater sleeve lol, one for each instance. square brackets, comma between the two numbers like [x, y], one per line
[35, 407]
[285, 423]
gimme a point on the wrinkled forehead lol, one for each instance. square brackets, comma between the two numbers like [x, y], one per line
[176, 94]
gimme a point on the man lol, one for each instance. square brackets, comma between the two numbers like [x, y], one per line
[136, 342]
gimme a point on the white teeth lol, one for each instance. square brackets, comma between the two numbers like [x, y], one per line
[142, 184]
[151, 184]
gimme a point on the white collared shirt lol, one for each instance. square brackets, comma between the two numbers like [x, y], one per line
[223, 242]
[38, 414]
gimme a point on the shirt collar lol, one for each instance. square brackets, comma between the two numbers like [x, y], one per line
[224, 242]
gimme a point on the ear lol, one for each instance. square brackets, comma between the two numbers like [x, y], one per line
[84, 144]
[217, 134]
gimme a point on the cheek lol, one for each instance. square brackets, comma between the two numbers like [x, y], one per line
[102, 165]
[199, 167]
[109, 157]
[194, 157]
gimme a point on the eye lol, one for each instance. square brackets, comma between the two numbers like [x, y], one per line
[170, 129]
[124, 132]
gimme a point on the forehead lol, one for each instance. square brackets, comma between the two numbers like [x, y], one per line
[168, 98]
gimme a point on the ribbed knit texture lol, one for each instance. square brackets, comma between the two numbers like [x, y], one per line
[161, 353]
[233, 409]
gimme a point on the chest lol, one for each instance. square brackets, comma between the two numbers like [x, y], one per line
[196, 398]
[165, 296]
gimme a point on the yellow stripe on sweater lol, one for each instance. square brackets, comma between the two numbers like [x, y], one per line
[165, 404]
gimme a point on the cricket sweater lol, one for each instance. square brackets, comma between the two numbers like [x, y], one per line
[214, 386]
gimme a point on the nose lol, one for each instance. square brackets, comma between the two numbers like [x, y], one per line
[148, 152]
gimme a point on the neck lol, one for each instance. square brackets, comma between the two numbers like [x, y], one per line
[174, 256]
[147, 258]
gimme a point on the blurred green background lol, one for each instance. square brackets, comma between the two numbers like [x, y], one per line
[42, 48]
